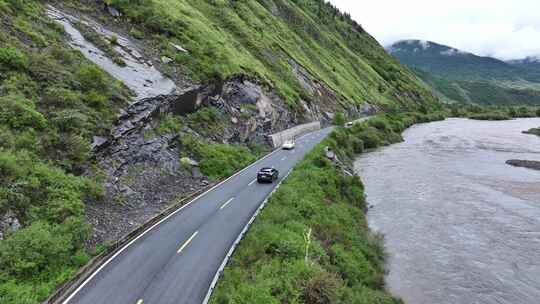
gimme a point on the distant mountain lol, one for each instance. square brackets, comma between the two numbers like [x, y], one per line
[529, 64]
[461, 76]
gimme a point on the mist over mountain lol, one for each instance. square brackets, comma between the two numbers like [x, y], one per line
[465, 77]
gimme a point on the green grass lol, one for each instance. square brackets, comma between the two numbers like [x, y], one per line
[52, 102]
[311, 244]
[490, 116]
[217, 160]
[258, 37]
[478, 112]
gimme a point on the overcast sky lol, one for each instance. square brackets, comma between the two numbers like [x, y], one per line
[506, 29]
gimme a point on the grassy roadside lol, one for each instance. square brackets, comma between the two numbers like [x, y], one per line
[311, 244]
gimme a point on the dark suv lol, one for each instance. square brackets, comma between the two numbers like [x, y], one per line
[267, 175]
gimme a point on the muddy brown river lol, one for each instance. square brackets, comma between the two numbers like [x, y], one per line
[460, 225]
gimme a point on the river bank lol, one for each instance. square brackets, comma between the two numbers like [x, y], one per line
[459, 224]
[311, 243]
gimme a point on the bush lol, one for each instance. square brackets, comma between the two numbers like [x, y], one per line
[490, 116]
[20, 113]
[91, 77]
[370, 138]
[339, 119]
[221, 160]
[12, 59]
[33, 250]
[379, 123]
[217, 160]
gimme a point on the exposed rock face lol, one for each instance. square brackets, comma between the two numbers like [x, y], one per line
[144, 172]
[325, 100]
[8, 224]
[255, 112]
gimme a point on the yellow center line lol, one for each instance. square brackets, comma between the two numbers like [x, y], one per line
[226, 203]
[187, 242]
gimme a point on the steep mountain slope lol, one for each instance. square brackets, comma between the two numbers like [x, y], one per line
[465, 77]
[261, 38]
[529, 64]
[83, 161]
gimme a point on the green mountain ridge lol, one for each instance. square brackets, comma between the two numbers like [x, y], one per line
[459, 76]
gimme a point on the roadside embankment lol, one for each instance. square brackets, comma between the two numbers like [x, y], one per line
[311, 244]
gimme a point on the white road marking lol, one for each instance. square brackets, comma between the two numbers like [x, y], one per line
[284, 158]
[186, 243]
[252, 182]
[141, 301]
[116, 254]
[226, 203]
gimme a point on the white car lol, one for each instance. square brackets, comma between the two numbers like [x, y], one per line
[288, 145]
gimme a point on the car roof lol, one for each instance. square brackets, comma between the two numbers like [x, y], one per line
[267, 169]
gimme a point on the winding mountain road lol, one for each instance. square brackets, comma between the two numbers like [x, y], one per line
[177, 260]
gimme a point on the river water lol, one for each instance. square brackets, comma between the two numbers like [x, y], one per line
[460, 225]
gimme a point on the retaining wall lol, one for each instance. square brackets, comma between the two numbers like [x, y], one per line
[279, 138]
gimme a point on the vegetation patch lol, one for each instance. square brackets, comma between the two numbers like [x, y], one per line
[260, 37]
[533, 131]
[52, 101]
[217, 160]
[311, 244]
[478, 112]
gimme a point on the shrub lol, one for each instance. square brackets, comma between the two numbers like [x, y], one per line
[12, 59]
[321, 289]
[19, 113]
[370, 138]
[169, 125]
[379, 123]
[33, 250]
[220, 160]
[339, 119]
[490, 116]
[91, 77]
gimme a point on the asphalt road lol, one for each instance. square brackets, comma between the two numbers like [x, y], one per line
[176, 260]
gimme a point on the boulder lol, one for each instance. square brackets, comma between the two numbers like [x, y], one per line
[9, 223]
[113, 11]
[98, 142]
[242, 92]
[166, 60]
[188, 161]
[178, 48]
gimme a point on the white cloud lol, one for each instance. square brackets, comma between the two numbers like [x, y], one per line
[501, 28]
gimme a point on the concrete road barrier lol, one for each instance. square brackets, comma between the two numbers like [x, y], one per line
[278, 139]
